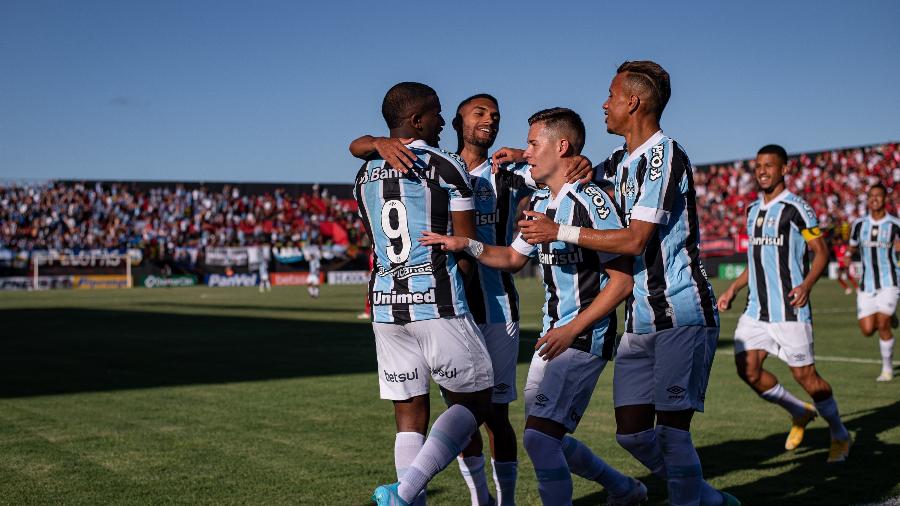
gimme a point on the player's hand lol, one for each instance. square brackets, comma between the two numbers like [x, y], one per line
[537, 228]
[799, 296]
[725, 300]
[504, 156]
[555, 341]
[394, 152]
[579, 170]
[446, 242]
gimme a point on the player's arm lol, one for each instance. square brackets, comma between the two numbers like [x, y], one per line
[499, 257]
[631, 241]
[799, 295]
[728, 295]
[619, 287]
[464, 227]
[390, 149]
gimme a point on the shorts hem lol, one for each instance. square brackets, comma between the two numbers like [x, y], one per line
[390, 397]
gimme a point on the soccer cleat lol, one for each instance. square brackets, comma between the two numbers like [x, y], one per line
[839, 450]
[386, 495]
[886, 375]
[798, 428]
[728, 499]
[848, 291]
[635, 496]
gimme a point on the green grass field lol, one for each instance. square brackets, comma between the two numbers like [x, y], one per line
[226, 396]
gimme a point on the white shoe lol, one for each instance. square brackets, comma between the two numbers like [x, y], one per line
[885, 375]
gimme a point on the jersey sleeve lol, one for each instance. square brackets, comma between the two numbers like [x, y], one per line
[854, 233]
[661, 183]
[807, 221]
[601, 213]
[520, 180]
[453, 177]
[523, 248]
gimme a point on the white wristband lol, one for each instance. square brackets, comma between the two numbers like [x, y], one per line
[474, 248]
[568, 233]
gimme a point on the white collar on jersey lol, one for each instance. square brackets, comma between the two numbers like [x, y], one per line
[765, 205]
[481, 168]
[559, 196]
[419, 143]
[877, 222]
[649, 143]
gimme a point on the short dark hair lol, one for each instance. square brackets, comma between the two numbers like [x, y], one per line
[476, 97]
[403, 99]
[564, 121]
[774, 149]
[878, 185]
[650, 79]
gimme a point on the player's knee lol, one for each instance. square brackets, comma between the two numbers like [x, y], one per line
[537, 443]
[751, 375]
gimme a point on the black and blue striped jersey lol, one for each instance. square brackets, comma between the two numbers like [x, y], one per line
[572, 275]
[412, 282]
[778, 259]
[875, 240]
[656, 184]
[491, 293]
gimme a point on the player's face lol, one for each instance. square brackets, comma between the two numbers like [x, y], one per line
[480, 122]
[432, 123]
[616, 106]
[542, 153]
[876, 199]
[770, 172]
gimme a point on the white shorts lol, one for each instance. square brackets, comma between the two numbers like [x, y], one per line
[312, 279]
[882, 301]
[792, 342]
[502, 340]
[450, 350]
[560, 389]
[668, 369]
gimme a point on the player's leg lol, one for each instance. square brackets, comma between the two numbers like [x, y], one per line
[502, 340]
[556, 395]
[683, 361]
[821, 392]
[403, 379]
[458, 360]
[471, 466]
[887, 305]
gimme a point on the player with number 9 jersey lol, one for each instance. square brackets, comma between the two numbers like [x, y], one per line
[412, 282]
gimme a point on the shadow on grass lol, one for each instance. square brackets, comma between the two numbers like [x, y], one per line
[868, 476]
[64, 350]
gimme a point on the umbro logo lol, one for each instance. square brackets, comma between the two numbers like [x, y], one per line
[798, 356]
[541, 400]
[676, 392]
[502, 387]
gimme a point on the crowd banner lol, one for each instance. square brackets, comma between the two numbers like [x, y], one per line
[228, 257]
[27, 282]
[99, 281]
[731, 271]
[348, 277]
[154, 281]
[221, 280]
[288, 254]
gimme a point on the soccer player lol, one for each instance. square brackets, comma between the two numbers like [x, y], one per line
[778, 318]
[491, 293]
[583, 288]
[875, 236]
[842, 255]
[264, 284]
[420, 318]
[313, 255]
[672, 326]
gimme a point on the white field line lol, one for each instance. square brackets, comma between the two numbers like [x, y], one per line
[828, 358]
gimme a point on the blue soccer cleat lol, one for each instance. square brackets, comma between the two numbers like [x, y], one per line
[386, 495]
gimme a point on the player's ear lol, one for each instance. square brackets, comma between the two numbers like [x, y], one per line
[457, 122]
[415, 120]
[633, 103]
[564, 147]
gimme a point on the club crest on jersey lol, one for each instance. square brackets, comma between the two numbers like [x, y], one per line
[597, 198]
[629, 189]
[656, 161]
[406, 271]
[483, 191]
[770, 222]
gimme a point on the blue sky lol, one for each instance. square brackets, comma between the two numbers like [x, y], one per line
[275, 90]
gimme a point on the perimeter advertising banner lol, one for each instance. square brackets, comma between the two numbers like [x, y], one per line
[27, 282]
[222, 280]
[153, 281]
[348, 277]
[99, 281]
[291, 278]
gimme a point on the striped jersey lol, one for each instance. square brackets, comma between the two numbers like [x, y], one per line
[412, 282]
[777, 256]
[656, 184]
[875, 240]
[491, 293]
[572, 275]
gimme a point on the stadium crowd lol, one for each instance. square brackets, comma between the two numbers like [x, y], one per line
[833, 182]
[59, 215]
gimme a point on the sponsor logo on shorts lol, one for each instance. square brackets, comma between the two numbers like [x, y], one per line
[445, 373]
[541, 400]
[501, 388]
[401, 377]
[797, 357]
[676, 392]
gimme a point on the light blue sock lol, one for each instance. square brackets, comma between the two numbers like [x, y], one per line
[449, 434]
[553, 475]
[583, 462]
